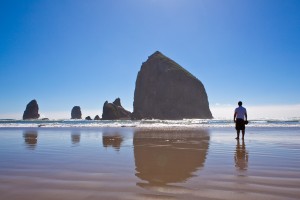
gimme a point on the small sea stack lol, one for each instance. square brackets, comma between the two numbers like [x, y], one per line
[165, 90]
[76, 113]
[88, 118]
[113, 111]
[97, 117]
[31, 111]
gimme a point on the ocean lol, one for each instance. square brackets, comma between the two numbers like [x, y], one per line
[155, 123]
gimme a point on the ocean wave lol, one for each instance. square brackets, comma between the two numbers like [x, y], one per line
[189, 123]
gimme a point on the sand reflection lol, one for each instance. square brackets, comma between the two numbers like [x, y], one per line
[241, 156]
[163, 157]
[112, 140]
[30, 138]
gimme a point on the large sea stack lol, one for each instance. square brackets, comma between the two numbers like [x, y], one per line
[76, 113]
[113, 111]
[31, 111]
[165, 90]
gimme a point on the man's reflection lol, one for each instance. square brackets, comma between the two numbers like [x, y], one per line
[163, 157]
[112, 140]
[30, 138]
[241, 156]
[75, 137]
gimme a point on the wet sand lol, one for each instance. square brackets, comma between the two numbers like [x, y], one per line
[131, 163]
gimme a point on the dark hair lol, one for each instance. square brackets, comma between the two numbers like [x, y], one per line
[240, 103]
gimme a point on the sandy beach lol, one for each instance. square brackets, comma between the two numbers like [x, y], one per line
[140, 163]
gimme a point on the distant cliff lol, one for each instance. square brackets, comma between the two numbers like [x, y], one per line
[165, 90]
[31, 111]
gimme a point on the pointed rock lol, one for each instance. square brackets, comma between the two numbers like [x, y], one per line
[88, 118]
[165, 90]
[113, 111]
[97, 117]
[117, 102]
[31, 111]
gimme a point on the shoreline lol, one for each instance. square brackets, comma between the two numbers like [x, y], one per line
[159, 129]
[166, 124]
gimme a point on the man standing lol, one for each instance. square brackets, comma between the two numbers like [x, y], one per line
[240, 116]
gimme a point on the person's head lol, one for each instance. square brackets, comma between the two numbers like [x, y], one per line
[240, 103]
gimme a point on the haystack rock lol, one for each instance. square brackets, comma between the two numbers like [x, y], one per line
[31, 111]
[112, 111]
[76, 113]
[165, 90]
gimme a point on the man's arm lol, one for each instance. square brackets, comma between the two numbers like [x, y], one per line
[246, 115]
[234, 116]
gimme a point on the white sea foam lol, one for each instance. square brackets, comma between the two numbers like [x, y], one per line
[188, 123]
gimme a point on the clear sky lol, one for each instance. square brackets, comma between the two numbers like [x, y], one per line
[83, 52]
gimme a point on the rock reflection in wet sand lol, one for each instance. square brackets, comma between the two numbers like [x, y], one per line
[30, 138]
[75, 138]
[163, 157]
[112, 140]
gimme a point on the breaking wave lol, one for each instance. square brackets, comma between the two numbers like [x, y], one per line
[189, 123]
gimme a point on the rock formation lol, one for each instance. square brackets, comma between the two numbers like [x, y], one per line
[31, 111]
[112, 111]
[165, 90]
[97, 117]
[76, 113]
[88, 118]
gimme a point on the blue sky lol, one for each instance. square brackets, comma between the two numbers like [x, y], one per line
[73, 52]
